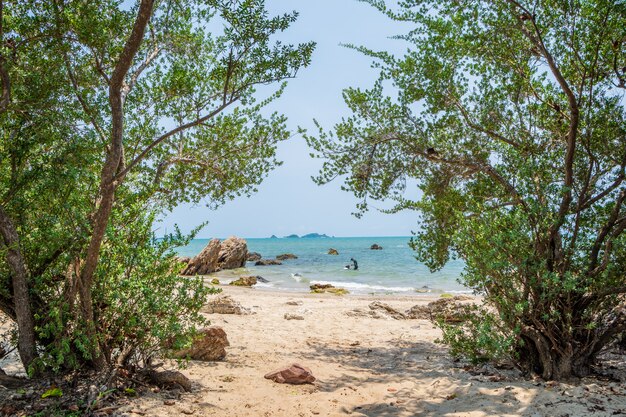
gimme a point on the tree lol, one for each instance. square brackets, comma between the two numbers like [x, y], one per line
[510, 116]
[112, 113]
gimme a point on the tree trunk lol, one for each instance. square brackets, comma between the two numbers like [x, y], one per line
[21, 299]
[537, 354]
[108, 184]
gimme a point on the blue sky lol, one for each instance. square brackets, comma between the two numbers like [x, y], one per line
[288, 201]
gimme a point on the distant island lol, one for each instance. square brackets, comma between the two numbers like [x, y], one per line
[314, 235]
[308, 236]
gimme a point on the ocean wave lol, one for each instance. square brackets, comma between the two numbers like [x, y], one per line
[360, 287]
[357, 286]
[299, 278]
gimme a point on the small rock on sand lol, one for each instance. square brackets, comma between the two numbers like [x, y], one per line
[292, 316]
[295, 374]
[225, 304]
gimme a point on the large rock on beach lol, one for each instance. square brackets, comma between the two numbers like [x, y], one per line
[229, 254]
[265, 262]
[206, 261]
[295, 374]
[224, 304]
[233, 253]
[286, 256]
[245, 281]
[253, 256]
[209, 345]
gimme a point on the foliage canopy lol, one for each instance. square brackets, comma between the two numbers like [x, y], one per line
[111, 113]
[510, 116]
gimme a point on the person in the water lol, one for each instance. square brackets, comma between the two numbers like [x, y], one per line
[355, 265]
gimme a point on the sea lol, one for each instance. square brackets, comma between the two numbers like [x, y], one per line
[392, 270]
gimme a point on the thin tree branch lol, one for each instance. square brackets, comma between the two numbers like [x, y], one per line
[169, 134]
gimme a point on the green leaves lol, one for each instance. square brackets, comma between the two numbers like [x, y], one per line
[52, 392]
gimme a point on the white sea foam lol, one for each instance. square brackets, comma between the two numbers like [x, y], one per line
[357, 286]
[299, 278]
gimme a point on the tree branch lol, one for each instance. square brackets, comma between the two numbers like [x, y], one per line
[120, 176]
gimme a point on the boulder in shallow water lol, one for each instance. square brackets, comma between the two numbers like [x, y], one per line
[265, 262]
[245, 281]
[375, 246]
[286, 256]
[321, 286]
[233, 253]
[225, 304]
[206, 261]
[327, 288]
[295, 374]
[332, 251]
[209, 345]
[253, 256]
[215, 281]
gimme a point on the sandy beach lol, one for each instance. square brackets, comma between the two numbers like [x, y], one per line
[364, 367]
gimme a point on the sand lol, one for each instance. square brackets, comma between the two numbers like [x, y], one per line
[364, 367]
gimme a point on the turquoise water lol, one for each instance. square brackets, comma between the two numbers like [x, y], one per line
[391, 270]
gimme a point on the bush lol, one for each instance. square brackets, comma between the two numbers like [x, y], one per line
[479, 338]
[141, 304]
